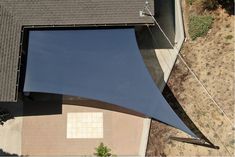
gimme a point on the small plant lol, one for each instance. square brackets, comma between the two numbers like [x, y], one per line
[228, 37]
[199, 26]
[191, 2]
[103, 151]
[228, 25]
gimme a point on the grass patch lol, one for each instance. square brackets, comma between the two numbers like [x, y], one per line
[199, 26]
[228, 37]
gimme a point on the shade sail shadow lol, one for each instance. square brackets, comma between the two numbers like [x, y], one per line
[15, 108]
[5, 154]
[42, 104]
[175, 105]
[5, 115]
[195, 142]
[35, 105]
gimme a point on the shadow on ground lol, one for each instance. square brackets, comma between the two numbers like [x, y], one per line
[38, 104]
[6, 154]
[5, 115]
[175, 105]
[228, 5]
[35, 104]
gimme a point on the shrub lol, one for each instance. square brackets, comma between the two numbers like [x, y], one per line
[199, 26]
[103, 151]
[228, 37]
[210, 4]
[228, 5]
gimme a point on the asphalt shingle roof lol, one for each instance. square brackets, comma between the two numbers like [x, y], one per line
[14, 14]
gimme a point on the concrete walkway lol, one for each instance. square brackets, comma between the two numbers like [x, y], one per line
[46, 135]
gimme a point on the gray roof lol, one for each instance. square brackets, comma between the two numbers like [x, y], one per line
[14, 14]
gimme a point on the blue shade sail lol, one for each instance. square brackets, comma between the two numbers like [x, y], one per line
[100, 64]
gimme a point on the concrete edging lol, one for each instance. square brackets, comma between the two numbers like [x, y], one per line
[167, 63]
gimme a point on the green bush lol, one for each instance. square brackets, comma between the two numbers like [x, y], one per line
[228, 37]
[199, 26]
[103, 151]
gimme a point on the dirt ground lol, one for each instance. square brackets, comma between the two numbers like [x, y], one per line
[212, 59]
